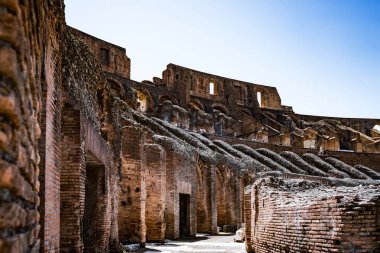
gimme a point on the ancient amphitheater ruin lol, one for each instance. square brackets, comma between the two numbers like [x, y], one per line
[91, 160]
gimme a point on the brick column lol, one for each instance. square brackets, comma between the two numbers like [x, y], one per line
[171, 208]
[72, 181]
[213, 208]
[154, 163]
[248, 219]
[220, 197]
[132, 196]
[206, 200]
[180, 179]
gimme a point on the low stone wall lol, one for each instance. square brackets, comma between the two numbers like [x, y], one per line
[302, 216]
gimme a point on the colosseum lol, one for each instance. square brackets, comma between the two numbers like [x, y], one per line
[92, 161]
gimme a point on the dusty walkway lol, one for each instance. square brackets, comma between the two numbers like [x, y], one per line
[202, 243]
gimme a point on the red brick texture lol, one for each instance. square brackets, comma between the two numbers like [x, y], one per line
[132, 195]
[72, 181]
[85, 189]
[298, 216]
[180, 179]
[228, 197]
[206, 201]
[154, 163]
[23, 51]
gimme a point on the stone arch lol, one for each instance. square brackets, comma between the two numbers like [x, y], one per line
[197, 104]
[165, 97]
[116, 86]
[144, 101]
[220, 107]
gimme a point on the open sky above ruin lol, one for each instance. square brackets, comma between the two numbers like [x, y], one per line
[323, 56]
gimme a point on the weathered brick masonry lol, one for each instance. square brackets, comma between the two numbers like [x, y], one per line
[90, 159]
[299, 216]
[26, 40]
[132, 196]
[180, 180]
[154, 163]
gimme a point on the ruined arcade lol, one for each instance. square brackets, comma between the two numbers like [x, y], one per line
[91, 160]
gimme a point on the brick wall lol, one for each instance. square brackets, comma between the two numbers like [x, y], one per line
[154, 163]
[180, 179]
[112, 57]
[50, 144]
[300, 216]
[72, 181]
[229, 193]
[23, 32]
[221, 198]
[206, 201]
[132, 188]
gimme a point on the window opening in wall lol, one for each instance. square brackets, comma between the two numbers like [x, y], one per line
[258, 95]
[142, 102]
[104, 56]
[176, 77]
[212, 88]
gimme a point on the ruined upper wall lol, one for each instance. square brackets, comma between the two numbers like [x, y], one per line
[113, 58]
[192, 84]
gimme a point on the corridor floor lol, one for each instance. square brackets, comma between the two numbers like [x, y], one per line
[202, 243]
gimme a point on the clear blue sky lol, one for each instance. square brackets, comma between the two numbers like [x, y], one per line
[322, 55]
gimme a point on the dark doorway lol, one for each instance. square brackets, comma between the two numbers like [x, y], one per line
[184, 215]
[94, 196]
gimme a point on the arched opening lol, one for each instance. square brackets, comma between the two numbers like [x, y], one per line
[116, 87]
[377, 128]
[197, 105]
[142, 101]
[220, 109]
[163, 99]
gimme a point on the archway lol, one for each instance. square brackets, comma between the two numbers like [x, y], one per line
[220, 107]
[117, 87]
[142, 101]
